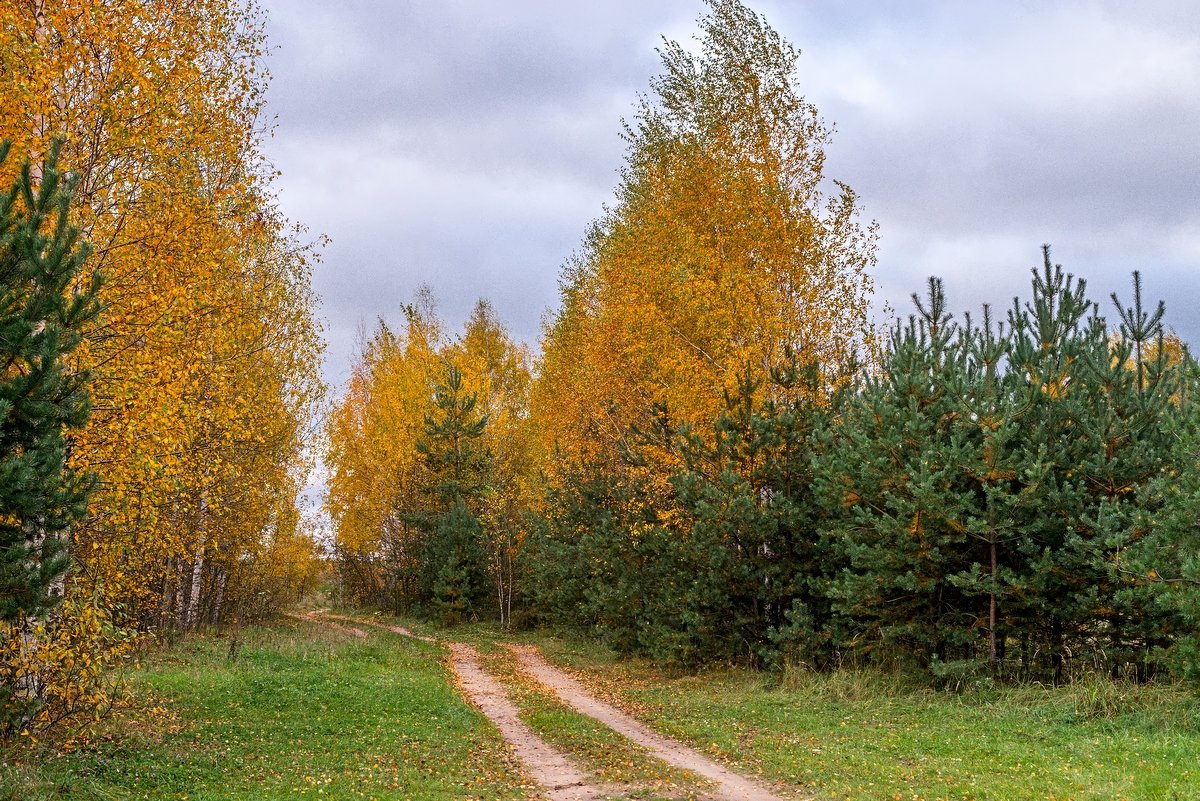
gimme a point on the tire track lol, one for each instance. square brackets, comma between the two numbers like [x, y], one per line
[731, 786]
[551, 768]
[561, 779]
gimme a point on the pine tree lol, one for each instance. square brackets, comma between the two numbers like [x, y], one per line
[1138, 415]
[757, 562]
[42, 307]
[998, 479]
[453, 565]
[450, 447]
[891, 475]
[1162, 565]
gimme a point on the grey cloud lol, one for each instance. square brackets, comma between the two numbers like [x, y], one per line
[447, 63]
[975, 133]
[468, 145]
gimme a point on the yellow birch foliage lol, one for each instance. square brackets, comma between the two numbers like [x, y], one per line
[63, 670]
[498, 371]
[204, 362]
[721, 255]
[378, 486]
[375, 471]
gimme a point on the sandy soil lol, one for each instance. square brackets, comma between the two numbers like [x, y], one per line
[562, 780]
[394, 629]
[317, 617]
[558, 776]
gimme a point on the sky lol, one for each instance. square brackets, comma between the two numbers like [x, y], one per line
[468, 145]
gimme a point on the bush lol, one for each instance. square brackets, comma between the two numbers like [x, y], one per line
[59, 675]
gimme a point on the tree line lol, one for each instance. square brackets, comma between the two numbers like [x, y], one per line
[183, 400]
[716, 456]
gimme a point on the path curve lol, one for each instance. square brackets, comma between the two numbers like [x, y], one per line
[558, 775]
[550, 767]
[731, 785]
[394, 629]
[315, 617]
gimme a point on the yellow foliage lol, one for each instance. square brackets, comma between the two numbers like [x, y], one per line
[378, 484]
[204, 362]
[59, 673]
[720, 257]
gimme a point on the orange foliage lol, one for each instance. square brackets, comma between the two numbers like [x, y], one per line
[721, 255]
[378, 484]
[204, 361]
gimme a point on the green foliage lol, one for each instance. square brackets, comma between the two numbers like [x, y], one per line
[1164, 561]
[453, 565]
[996, 501]
[738, 567]
[450, 446]
[42, 307]
[589, 570]
[985, 485]
[758, 562]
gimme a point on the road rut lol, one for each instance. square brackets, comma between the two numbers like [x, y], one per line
[730, 785]
[560, 777]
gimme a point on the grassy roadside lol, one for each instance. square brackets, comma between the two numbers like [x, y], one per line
[304, 712]
[614, 762]
[307, 711]
[868, 736]
[608, 756]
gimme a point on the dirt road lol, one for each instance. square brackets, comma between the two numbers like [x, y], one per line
[560, 777]
[730, 785]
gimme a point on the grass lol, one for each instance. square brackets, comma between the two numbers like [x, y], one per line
[864, 735]
[304, 712]
[310, 712]
[608, 756]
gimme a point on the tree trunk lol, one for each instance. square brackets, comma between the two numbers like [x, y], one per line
[218, 608]
[993, 647]
[193, 598]
[167, 601]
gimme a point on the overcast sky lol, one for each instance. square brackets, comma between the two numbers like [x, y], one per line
[467, 145]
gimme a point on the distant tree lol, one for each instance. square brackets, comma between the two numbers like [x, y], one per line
[498, 371]
[453, 568]
[43, 304]
[459, 466]
[378, 480]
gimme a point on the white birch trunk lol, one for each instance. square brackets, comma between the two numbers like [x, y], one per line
[193, 600]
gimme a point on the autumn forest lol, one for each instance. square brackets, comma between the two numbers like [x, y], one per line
[716, 454]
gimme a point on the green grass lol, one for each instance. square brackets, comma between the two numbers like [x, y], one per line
[609, 757]
[310, 712]
[304, 712]
[867, 735]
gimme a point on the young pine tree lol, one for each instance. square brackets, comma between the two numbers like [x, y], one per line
[454, 570]
[891, 474]
[42, 307]
[757, 562]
